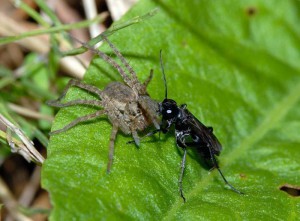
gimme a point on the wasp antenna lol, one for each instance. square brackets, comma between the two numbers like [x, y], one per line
[163, 72]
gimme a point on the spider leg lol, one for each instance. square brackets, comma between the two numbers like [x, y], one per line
[112, 139]
[150, 108]
[135, 137]
[147, 81]
[120, 56]
[77, 83]
[79, 120]
[106, 58]
[151, 133]
[56, 103]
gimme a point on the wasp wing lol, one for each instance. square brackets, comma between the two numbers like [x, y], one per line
[202, 136]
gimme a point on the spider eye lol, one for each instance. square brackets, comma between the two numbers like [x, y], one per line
[169, 111]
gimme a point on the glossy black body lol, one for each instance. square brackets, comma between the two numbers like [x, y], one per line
[189, 131]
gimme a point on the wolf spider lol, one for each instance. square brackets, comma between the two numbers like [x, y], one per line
[128, 106]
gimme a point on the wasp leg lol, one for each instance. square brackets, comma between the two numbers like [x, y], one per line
[181, 174]
[216, 165]
[180, 141]
[79, 120]
[210, 129]
[112, 139]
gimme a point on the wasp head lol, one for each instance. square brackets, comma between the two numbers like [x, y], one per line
[168, 109]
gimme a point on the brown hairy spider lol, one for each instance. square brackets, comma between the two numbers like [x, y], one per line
[128, 106]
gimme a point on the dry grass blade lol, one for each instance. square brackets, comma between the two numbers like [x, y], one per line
[118, 8]
[39, 44]
[24, 147]
[10, 203]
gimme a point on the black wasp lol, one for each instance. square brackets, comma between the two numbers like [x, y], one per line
[189, 132]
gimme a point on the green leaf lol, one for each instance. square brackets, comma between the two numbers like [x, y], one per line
[236, 65]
